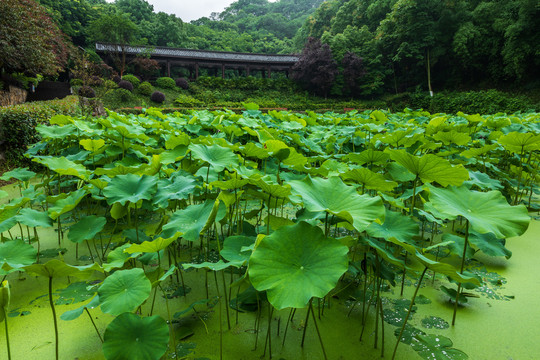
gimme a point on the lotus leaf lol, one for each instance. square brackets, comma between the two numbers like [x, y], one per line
[296, 263]
[149, 246]
[395, 225]
[235, 248]
[86, 228]
[124, 291]
[21, 174]
[129, 336]
[62, 166]
[33, 218]
[369, 179]
[519, 142]
[16, 254]
[217, 156]
[130, 188]
[56, 268]
[488, 212]
[431, 347]
[75, 313]
[64, 204]
[333, 196]
[92, 145]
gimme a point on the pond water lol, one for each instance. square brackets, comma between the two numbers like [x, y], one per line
[500, 322]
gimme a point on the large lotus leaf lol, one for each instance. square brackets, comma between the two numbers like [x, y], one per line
[395, 225]
[431, 347]
[22, 174]
[68, 203]
[124, 291]
[236, 248]
[75, 313]
[92, 145]
[369, 179]
[55, 132]
[275, 190]
[489, 244]
[180, 188]
[177, 140]
[369, 156]
[217, 156]
[117, 258]
[86, 228]
[431, 168]
[296, 263]
[16, 254]
[476, 152]
[63, 166]
[252, 150]
[7, 219]
[150, 246]
[399, 173]
[191, 221]
[452, 137]
[487, 212]
[520, 142]
[173, 155]
[333, 196]
[387, 253]
[483, 181]
[214, 266]
[56, 268]
[34, 218]
[130, 188]
[231, 184]
[134, 338]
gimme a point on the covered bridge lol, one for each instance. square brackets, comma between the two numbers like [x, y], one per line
[194, 60]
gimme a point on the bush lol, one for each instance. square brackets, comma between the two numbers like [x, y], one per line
[76, 82]
[132, 79]
[182, 83]
[125, 85]
[166, 83]
[157, 96]
[18, 122]
[145, 88]
[95, 81]
[116, 78]
[109, 84]
[188, 101]
[87, 92]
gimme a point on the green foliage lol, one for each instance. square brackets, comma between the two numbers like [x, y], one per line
[145, 88]
[132, 79]
[187, 101]
[166, 82]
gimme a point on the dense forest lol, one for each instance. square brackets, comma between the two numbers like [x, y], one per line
[383, 46]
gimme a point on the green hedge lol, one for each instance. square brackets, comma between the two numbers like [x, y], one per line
[18, 122]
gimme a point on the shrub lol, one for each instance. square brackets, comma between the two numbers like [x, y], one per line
[87, 92]
[126, 85]
[18, 122]
[132, 79]
[157, 96]
[76, 82]
[116, 78]
[187, 101]
[95, 81]
[145, 88]
[182, 83]
[166, 83]
[109, 84]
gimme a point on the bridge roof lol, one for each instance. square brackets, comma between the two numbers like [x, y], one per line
[159, 51]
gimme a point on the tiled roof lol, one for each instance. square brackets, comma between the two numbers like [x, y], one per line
[200, 54]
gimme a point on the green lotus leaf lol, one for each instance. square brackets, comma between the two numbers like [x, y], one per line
[68, 203]
[386, 252]
[86, 228]
[483, 181]
[456, 244]
[333, 196]
[190, 222]
[452, 137]
[33, 218]
[180, 188]
[117, 258]
[369, 156]
[22, 174]
[276, 222]
[275, 190]
[56, 268]
[369, 179]
[234, 248]
[395, 225]
[177, 140]
[252, 150]
[477, 152]
[118, 211]
[60, 120]
[130, 188]
[214, 266]
[438, 347]
[150, 246]
[217, 156]
[55, 132]
[7, 219]
[431, 168]
[92, 145]
[62, 166]
[487, 212]
[231, 184]
[3, 194]
[129, 336]
[124, 291]
[489, 244]
[399, 173]
[520, 142]
[296, 263]
[75, 313]
[16, 254]
[173, 155]
[191, 307]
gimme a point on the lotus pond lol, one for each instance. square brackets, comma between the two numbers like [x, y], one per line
[215, 235]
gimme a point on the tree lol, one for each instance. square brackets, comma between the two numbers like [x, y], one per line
[353, 71]
[115, 28]
[29, 40]
[316, 69]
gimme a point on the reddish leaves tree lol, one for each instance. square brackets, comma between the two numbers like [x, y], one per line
[145, 67]
[353, 71]
[29, 40]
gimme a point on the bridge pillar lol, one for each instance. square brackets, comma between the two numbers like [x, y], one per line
[196, 71]
[168, 68]
[223, 71]
[247, 70]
